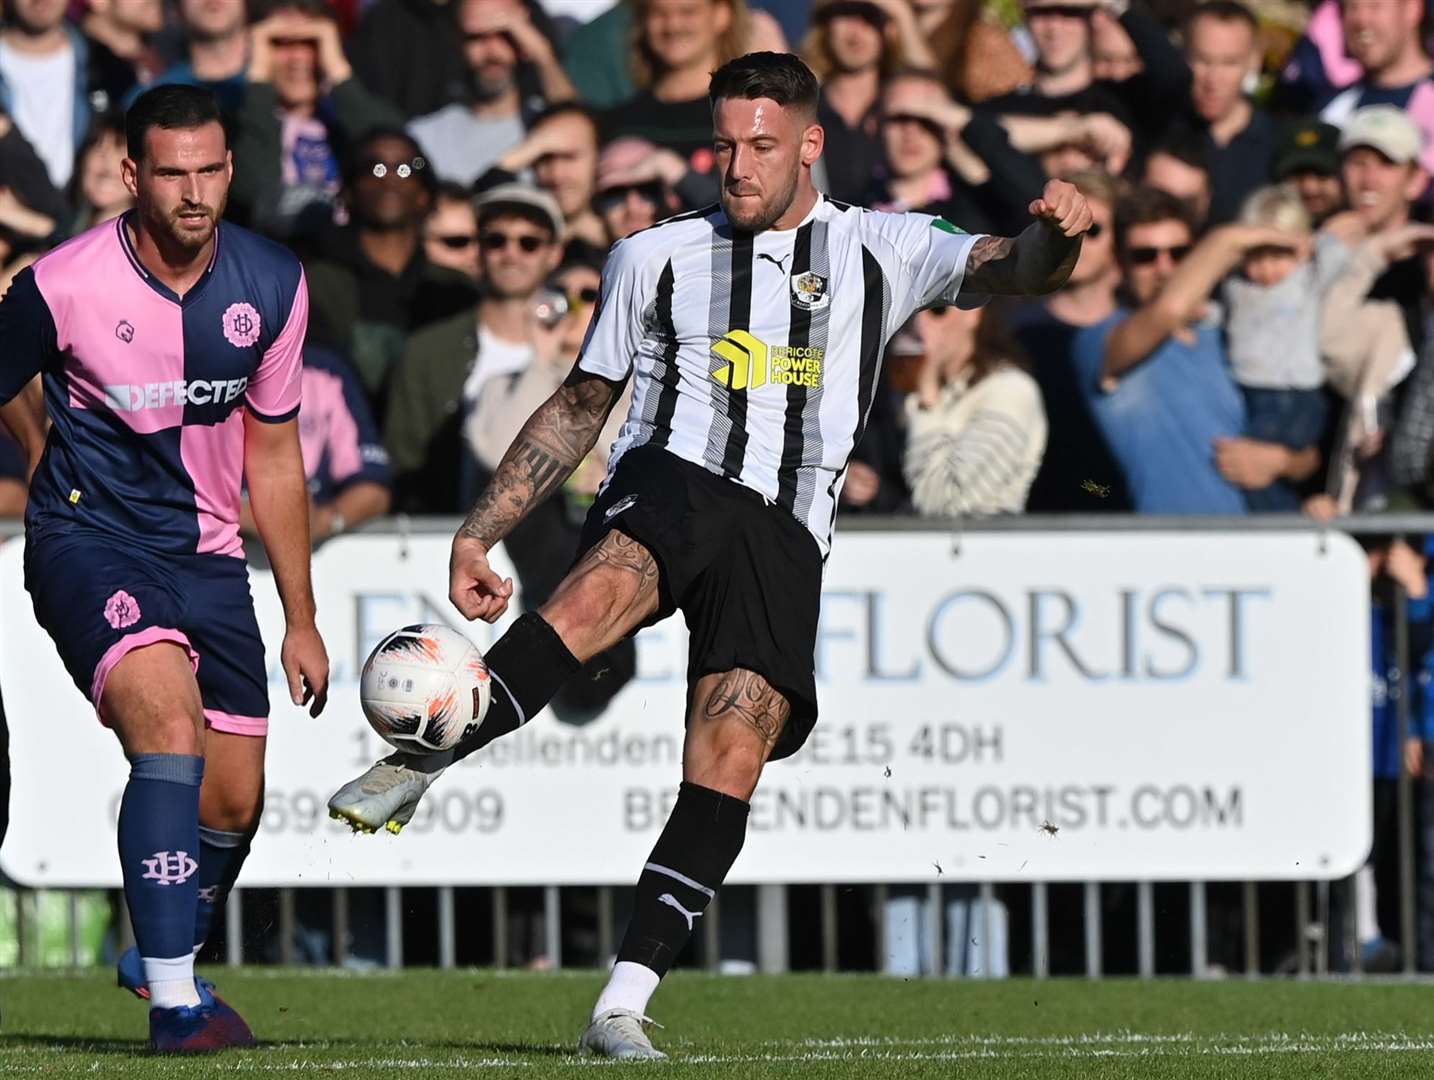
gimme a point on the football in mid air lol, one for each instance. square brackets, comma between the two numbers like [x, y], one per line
[425, 688]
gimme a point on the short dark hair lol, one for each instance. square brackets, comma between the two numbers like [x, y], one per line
[172, 107]
[781, 77]
[1184, 146]
[1147, 206]
[569, 108]
[1223, 11]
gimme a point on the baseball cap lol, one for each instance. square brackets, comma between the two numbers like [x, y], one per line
[1309, 147]
[1385, 128]
[524, 198]
[861, 9]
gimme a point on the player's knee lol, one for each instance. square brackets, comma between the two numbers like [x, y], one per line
[727, 753]
[231, 806]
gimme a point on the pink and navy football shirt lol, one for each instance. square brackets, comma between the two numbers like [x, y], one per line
[147, 391]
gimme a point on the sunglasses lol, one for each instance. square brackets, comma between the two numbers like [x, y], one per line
[384, 170]
[498, 241]
[1062, 11]
[456, 241]
[613, 197]
[586, 295]
[1144, 256]
[911, 118]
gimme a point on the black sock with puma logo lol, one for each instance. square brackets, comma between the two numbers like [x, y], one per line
[698, 845]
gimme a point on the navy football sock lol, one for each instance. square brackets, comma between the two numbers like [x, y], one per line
[529, 664]
[221, 855]
[159, 848]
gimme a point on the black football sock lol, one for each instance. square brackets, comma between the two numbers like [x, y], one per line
[528, 664]
[698, 845]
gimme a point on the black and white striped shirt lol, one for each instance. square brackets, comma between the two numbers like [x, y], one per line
[756, 356]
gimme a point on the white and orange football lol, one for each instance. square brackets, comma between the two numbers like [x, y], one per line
[425, 688]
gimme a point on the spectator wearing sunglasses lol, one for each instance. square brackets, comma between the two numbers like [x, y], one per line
[946, 159]
[500, 40]
[450, 232]
[631, 190]
[471, 363]
[370, 284]
[302, 108]
[1157, 376]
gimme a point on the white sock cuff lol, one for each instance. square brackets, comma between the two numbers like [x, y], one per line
[180, 967]
[630, 986]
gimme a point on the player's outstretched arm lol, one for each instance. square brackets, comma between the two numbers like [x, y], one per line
[554, 442]
[279, 500]
[1039, 260]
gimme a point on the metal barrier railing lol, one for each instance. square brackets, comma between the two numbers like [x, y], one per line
[1314, 915]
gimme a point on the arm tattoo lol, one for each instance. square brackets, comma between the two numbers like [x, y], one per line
[751, 699]
[551, 445]
[1032, 264]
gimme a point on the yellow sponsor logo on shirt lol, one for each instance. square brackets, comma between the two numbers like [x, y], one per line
[749, 363]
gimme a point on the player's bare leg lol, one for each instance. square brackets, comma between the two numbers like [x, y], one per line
[732, 729]
[611, 590]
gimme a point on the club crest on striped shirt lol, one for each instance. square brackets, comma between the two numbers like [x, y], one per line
[809, 291]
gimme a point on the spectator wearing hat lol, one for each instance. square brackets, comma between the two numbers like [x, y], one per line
[559, 155]
[1380, 152]
[302, 108]
[1384, 36]
[1307, 158]
[370, 285]
[1222, 46]
[468, 365]
[500, 41]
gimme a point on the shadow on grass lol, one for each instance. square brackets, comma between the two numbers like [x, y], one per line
[19, 1040]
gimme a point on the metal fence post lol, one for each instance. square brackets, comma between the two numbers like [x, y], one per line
[553, 925]
[773, 952]
[1302, 924]
[605, 947]
[1250, 903]
[234, 928]
[829, 927]
[935, 924]
[500, 926]
[712, 935]
[393, 926]
[1199, 934]
[1094, 947]
[340, 910]
[987, 893]
[447, 928]
[1040, 932]
[1145, 928]
[286, 927]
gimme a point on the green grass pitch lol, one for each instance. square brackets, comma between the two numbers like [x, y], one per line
[525, 1025]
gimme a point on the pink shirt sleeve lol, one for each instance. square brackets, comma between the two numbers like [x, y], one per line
[275, 390]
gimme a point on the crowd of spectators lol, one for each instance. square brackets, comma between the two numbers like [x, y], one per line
[1245, 331]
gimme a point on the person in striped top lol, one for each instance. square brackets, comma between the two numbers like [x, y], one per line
[753, 332]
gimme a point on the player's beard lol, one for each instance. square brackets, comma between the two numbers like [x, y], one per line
[185, 239]
[767, 214]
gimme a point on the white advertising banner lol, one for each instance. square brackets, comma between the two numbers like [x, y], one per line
[1037, 706]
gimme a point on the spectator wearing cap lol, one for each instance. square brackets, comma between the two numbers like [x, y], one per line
[1065, 92]
[1083, 476]
[944, 158]
[1177, 164]
[500, 39]
[471, 362]
[1157, 376]
[1222, 46]
[1307, 158]
[560, 155]
[302, 109]
[853, 47]
[1380, 152]
[370, 285]
[450, 231]
[1384, 37]
[215, 51]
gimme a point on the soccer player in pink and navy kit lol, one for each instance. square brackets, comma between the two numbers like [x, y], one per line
[169, 349]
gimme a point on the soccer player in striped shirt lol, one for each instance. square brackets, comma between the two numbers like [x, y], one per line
[168, 347]
[753, 331]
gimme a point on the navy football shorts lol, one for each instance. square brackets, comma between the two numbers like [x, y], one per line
[99, 602]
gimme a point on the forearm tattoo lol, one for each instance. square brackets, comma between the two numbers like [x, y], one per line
[551, 445]
[750, 698]
[1037, 262]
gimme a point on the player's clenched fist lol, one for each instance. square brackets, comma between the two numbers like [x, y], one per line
[1064, 208]
[473, 587]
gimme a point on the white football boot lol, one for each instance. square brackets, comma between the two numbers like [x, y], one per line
[387, 795]
[621, 1034]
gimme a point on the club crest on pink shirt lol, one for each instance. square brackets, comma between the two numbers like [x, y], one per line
[241, 325]
[121, 610]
